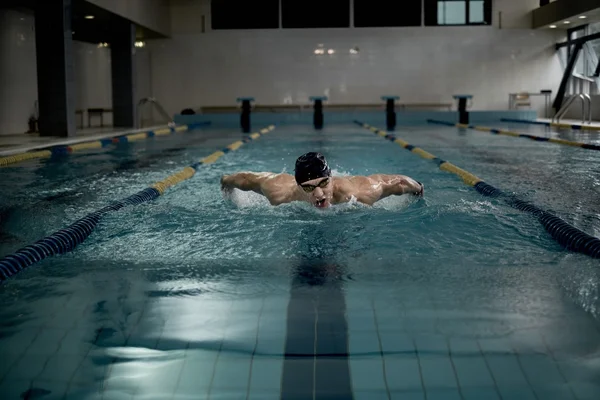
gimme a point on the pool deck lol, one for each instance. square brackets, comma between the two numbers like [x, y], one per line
[23, 142]
[595, 124]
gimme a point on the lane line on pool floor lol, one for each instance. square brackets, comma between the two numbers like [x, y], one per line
[68, 238]
[517, 134]
[564, 233]
[576, 127]
[61, 150]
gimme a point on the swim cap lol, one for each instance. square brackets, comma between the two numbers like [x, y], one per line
[311, 166]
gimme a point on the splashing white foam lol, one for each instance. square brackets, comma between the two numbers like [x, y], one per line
[247, 199]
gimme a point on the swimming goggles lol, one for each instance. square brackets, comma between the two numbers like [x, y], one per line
[310, 188]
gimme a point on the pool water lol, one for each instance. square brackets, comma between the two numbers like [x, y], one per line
[452, 296]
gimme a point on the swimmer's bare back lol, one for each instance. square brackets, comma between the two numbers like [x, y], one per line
[321, 192]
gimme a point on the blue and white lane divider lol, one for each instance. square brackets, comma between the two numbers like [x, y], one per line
[62, 150]
[565, 234]
[68, 238]
[576, 127]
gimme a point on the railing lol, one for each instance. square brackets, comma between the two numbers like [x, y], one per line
[589, 99]
[586, 100]
[157, 106]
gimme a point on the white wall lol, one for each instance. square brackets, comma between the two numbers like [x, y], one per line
[513, 14]
[92, 79]
[153, 14]
[425, 64]
[18, 76]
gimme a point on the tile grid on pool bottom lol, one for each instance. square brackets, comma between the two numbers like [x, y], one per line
[67, 370]
[385, 356]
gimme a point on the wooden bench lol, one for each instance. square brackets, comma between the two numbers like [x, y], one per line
[300, 107]
[80, 114]
[426, 106]
[97, 112]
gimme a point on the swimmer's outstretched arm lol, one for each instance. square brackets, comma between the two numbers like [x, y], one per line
[396, 185]
[277, 188]
[247, 181]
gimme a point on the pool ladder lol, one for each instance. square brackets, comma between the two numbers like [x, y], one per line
[157, 106]
[586, 100]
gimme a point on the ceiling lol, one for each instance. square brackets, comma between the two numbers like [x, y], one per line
[566, 14]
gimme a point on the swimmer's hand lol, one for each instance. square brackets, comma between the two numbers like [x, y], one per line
[420, 192]
[226, 184]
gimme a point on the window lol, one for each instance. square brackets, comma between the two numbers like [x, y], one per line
[244, 14]
[458, 12]
[451, 13]
[386, 13]
[314, 13]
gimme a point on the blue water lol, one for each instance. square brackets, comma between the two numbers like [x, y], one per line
[197, 296]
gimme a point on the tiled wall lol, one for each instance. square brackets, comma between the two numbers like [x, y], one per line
[18, 79]
[419, 64]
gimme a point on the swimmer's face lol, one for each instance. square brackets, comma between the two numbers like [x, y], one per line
[319, 191]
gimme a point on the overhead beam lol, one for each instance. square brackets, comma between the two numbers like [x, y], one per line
[561, 9]
[577, 41]
[560, 95]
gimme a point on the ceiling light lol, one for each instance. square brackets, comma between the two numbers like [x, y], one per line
[89, 17]
[330, 51]
[582, 17]
[567, 22]
[552, 26]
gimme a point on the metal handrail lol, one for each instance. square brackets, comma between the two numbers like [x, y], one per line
[589, 101]
[161, 110]
[568, 104]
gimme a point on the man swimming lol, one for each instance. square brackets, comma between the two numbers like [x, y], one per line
[313, 183]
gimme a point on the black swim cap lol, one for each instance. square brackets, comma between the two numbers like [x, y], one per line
[311, 166]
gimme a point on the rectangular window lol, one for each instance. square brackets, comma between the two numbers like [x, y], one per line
[315, 13]
[244, 14]
[458, 12]
[386, 13]
[452, 13]
[476, 12]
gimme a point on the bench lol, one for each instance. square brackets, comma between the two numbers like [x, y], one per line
[97, 112]
[80, 114]
[426, 106]
[301, 107]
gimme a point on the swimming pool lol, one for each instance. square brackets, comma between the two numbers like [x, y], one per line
[196, 296]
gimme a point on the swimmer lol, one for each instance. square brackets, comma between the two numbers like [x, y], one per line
[313, 183]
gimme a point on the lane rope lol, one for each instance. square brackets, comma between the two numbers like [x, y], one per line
[517, 134]
[68, 238]
[62, 150]
[554, 124]
[565, 234]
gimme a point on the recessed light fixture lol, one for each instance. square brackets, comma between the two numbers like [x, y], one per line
[567, 22]
[330, 51]
[89, 17]
[582, 17]
[552, 26]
